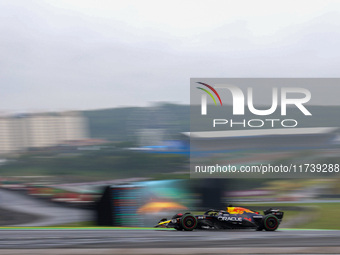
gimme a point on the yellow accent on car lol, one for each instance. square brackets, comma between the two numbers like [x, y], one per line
[164, 222]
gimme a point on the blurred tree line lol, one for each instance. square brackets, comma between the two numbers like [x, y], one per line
[96, 165]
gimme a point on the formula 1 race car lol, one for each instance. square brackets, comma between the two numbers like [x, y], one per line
[231, 218]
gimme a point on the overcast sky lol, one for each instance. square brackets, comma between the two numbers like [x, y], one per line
[79, 54]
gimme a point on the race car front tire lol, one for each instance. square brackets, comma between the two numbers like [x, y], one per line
[188, 222]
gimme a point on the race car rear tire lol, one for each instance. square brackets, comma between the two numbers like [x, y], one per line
[270, 222]
[188, 222]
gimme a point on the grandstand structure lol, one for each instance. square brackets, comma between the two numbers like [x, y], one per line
[262, 139]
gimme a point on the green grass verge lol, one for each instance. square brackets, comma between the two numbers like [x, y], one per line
[77, 224]
[327, 217]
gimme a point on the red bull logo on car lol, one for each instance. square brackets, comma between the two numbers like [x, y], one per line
[238, 210]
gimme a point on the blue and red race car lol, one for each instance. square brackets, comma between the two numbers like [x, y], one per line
[231, 218]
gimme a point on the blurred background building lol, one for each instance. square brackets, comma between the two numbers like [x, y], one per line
[40, 130]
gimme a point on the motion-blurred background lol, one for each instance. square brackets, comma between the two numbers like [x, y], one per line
[62, 163]
[95, 98]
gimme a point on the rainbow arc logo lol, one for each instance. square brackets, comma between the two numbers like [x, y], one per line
[209, 93]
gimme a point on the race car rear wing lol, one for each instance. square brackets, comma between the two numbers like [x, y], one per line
[275, 212]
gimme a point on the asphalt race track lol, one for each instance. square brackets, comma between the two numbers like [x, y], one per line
[137, 238]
